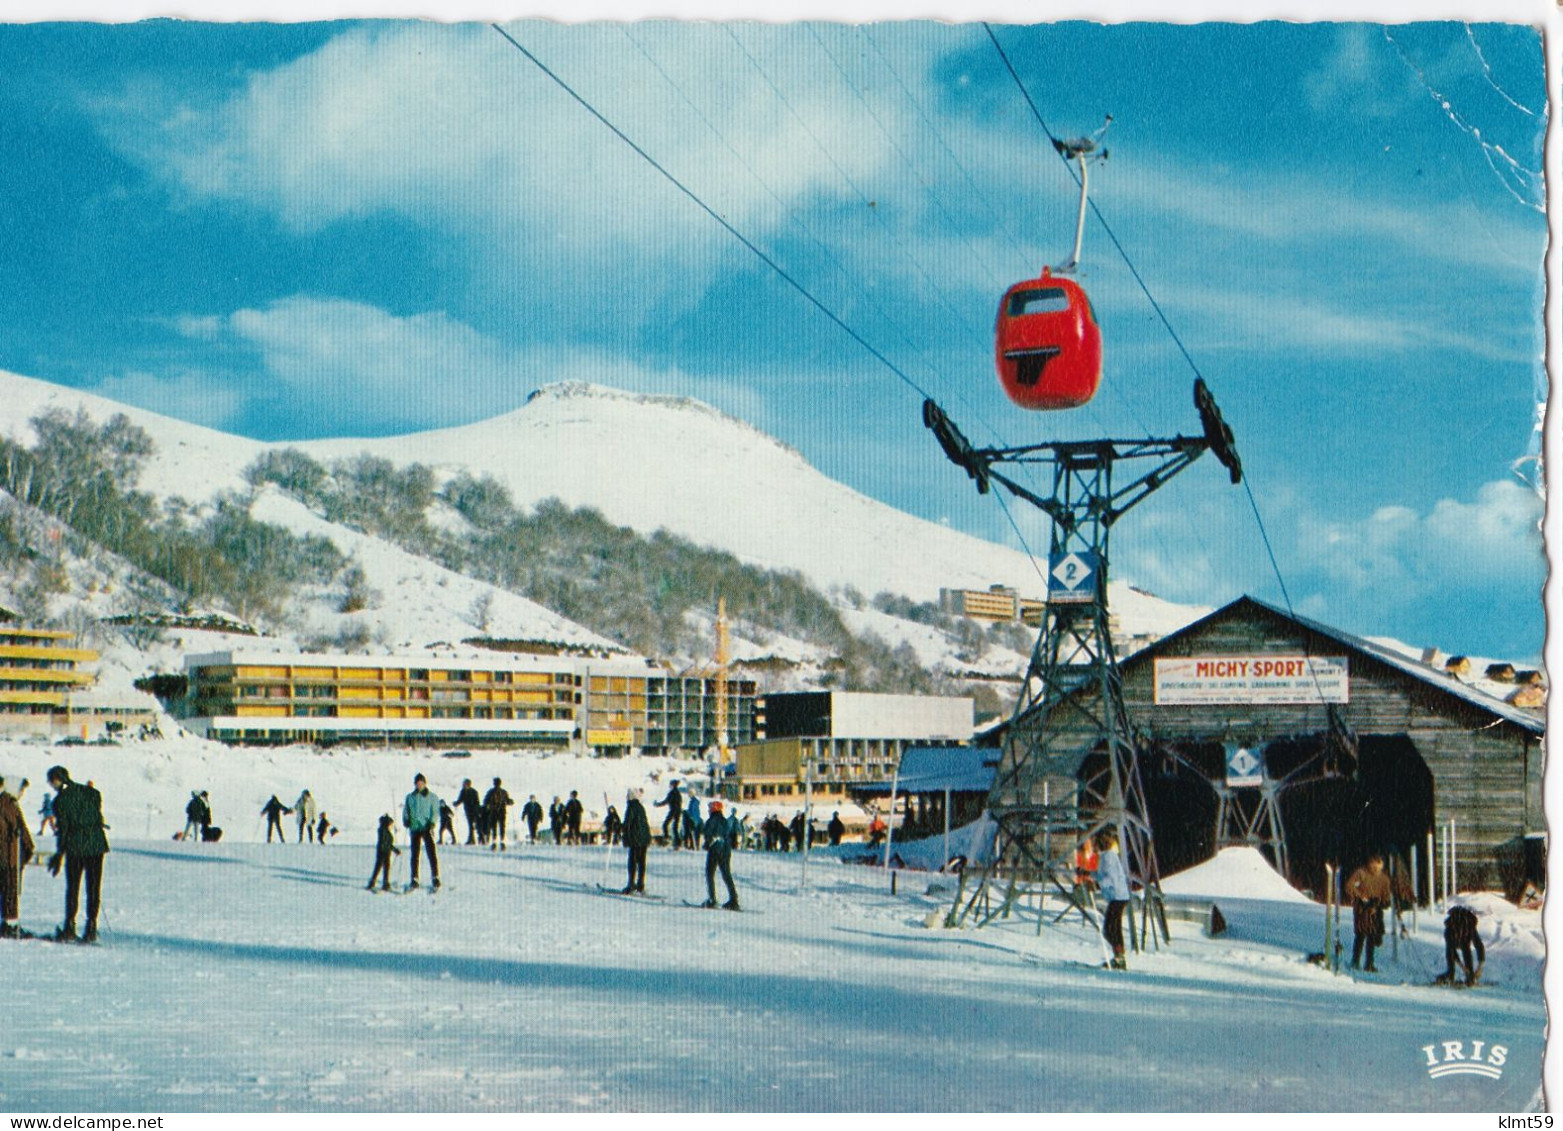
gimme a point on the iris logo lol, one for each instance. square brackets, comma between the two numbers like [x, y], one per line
[1450, 1059]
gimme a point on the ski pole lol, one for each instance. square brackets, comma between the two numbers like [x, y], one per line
[607, 843]
[1329, 885]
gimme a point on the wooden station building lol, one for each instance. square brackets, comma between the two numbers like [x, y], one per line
[1253, 677]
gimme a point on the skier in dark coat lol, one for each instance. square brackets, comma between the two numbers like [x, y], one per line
[322, 828]
[1460, 938]
[532, 814]
[836, 829]
[612, 826]
[675, 818]
[79, 839]
[572, 818]
[471, 805]
[447, 824]
[198, 816]
[798, 830]
[273, 811]
[16, 849]
[718, 834]
[496, 811]
[1368, 890]
[637, 839]
[385, 846]
[556, 820]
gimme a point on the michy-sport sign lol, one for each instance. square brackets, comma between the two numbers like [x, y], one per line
[1250, 679]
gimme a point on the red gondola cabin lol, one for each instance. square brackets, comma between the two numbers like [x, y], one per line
[1047, 345]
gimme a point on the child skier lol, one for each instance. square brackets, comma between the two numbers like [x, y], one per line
[385, 847]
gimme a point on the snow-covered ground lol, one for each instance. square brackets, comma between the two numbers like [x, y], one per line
[252, 977]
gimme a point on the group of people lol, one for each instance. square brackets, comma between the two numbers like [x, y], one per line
[76, 813]
[314, 824]
[717, 832]
[315, 827]
[488, 817]
[1371, 891]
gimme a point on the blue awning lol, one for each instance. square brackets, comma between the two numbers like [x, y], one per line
[934, 769]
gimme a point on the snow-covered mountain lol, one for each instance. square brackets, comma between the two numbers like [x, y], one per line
[648, 463]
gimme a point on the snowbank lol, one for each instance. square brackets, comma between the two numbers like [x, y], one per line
[1234, 873]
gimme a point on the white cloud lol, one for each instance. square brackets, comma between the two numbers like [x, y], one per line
[350, 366]
[197, 396]
[453, 128]
[1495, 537]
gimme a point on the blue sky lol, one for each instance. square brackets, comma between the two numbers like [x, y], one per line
[334, 229]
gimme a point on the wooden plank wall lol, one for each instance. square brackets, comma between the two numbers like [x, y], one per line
[1487, 772]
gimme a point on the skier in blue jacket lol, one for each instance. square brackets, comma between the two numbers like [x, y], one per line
[718, 834]
[1113, 882]
[420, 814]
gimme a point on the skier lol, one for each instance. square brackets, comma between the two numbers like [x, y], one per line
[1460, 936]
[799, 831]
[836, 829]
[556, 819]
[1086, 864]
[471, 806]
[876, 831]
[612, 826]
[572, 818]
[1368, 890]
[79, 839]
[46, 813]
[692, 823]
[419, 812]
[447, 823]
[532, 814]
[637, 839]
[1113, 879]
[273, 811]
[323, 828]
[16, 849]
[384, 847]
[719, 856]
[496, 811]
[675, 806]
[305, 809]
[197, 816]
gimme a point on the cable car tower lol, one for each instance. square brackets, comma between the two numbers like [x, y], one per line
[1047, 796]
[1071, 760]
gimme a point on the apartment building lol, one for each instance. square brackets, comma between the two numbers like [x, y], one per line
[40, 670]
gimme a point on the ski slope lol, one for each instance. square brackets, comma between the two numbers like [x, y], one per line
[256, 978]
[251, 977]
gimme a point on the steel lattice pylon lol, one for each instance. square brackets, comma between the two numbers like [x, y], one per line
[1071, 711]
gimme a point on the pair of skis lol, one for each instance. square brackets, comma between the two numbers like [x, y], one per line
[640, 896]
